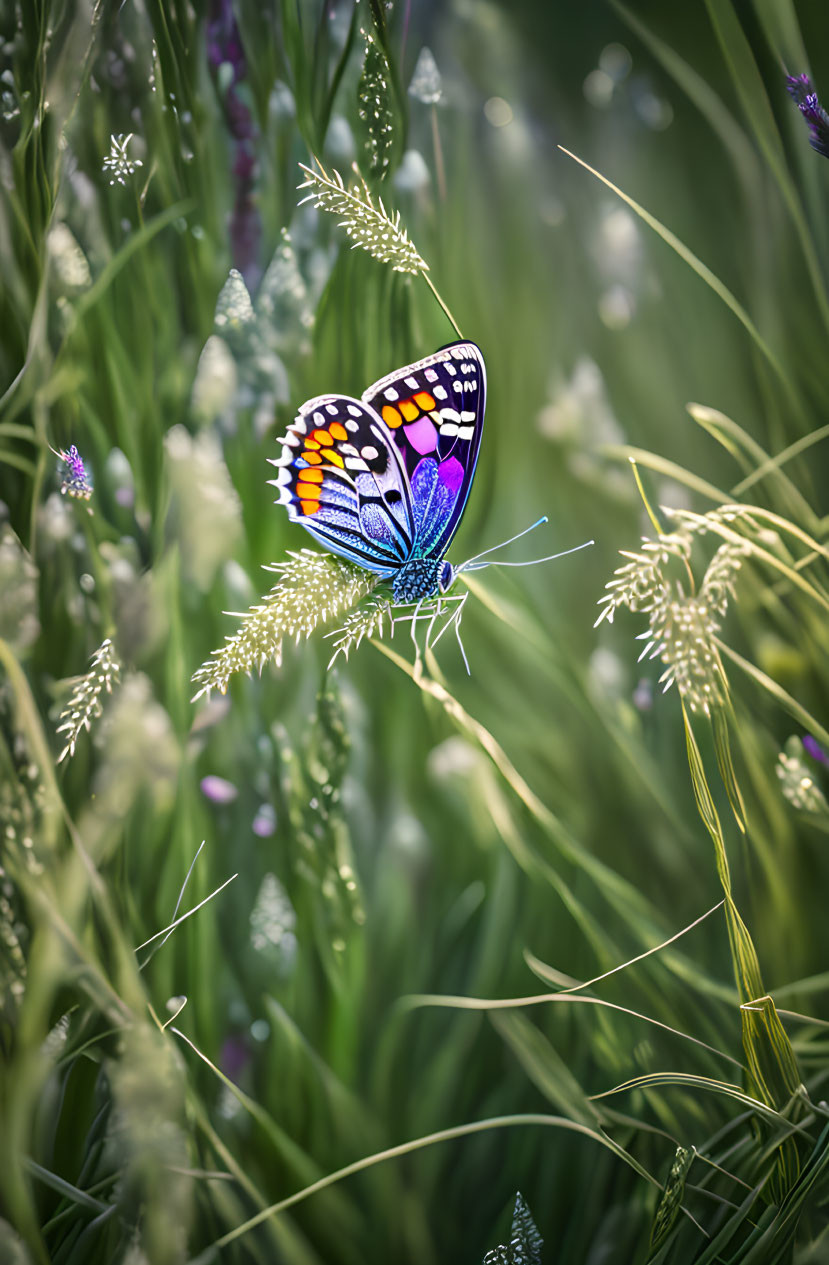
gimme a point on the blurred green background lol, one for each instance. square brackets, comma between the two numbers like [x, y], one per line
[393, 839]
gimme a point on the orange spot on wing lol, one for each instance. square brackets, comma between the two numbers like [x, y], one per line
[409, 410]
[391, 416]
[312, 476]
[308, 491]
[309, 507]
[314, 457]
[311, 443]
[322, 437]
[334, 458]
[338, 430]
[424, 401]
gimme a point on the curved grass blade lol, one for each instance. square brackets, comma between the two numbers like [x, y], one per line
[700, 93]
[795, 709]
[748, 82]
[671, 469]
[703, 272]
[211, 1253]
[498, 1004]
[774, 464]
[726, 432]
[622, 895]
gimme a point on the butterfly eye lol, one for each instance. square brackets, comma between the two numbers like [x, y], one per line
[447, 576]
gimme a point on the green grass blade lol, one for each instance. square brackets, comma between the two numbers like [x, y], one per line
[703, 272]
[751, 90]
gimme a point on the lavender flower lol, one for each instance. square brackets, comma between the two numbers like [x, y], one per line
[76, 482]
[805, 98]
[226, 58]
[814, 749]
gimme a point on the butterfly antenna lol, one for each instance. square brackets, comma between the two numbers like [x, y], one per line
[530, 562]
[466, 565]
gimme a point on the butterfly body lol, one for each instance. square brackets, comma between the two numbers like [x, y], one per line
[383, 480]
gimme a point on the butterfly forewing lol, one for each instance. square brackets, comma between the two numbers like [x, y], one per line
[435, 411]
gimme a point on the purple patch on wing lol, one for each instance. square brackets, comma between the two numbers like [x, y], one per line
[422, 435]
[450, 473]
[435, 490]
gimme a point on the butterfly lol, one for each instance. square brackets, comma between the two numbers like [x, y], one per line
[384, 480]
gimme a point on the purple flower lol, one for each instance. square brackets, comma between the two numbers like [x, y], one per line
[815, 750]
[264, 823]
[229, 69]
[805, 98]
[76, 482]
[234, 1057]
[218, 790]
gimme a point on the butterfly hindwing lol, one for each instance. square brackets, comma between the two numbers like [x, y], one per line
[435, 411]
[342, 477]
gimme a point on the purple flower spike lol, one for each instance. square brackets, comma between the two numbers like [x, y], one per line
[226, 58]
[815, 750]
[76, 482]
[805, 98]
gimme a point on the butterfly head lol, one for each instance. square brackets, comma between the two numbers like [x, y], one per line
[447, 576]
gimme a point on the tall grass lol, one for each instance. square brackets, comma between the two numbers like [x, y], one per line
[329, 967]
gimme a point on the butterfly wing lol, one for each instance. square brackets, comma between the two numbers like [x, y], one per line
[435, 411]
[343, 478]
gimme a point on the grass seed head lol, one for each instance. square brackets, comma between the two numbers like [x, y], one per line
[312, 589]
[367, 223]
[86, 704]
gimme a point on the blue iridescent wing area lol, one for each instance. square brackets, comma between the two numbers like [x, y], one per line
[343, 478]
[435, 411]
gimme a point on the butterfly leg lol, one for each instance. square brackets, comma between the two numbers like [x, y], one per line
[438, 611]
[450, 620]
[456, 619]
[418, 663]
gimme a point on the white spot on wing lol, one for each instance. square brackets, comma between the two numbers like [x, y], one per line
[391, 394]
[439, 393]
[353, 410]
[332, 409]
[430, 375]
[411, 382]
